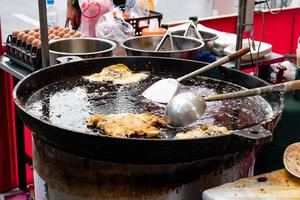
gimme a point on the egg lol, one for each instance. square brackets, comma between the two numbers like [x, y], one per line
[66, 30]
[56, 38]
[72, 32]
[39, 45]
[24, 38]
[36, 29]
[61, 34]
[51, 36]
[30, 39]
[61, 28]
[15, 33]
[31, 32]
[36, 35]
[26, 30]
[67, 35]
[50, 30]
[56, 32]
[77, 34]
[56, 27]
[35, 42]
[20, 35]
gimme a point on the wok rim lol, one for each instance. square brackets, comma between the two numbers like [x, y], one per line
[205, 40]
[23, 108]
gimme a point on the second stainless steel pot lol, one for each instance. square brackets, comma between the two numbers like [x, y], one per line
[82, 47]
[186, 48]
[208, 38]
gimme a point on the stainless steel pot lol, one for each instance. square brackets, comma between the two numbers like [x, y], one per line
[208, 38]
[82, 47]
[186, 48]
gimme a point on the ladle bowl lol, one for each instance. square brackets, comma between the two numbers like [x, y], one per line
[184, 109]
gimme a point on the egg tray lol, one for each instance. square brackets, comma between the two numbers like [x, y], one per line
[23, 54]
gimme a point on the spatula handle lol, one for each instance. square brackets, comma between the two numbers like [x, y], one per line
[216, 63]
[294, 85]
[282, 87]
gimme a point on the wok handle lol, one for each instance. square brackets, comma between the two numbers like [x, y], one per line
[282, 87]
[66, 59]
[216, 63]
[255, 134]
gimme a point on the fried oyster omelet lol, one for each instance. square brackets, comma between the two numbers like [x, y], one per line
[118, 74]
[203, 131]
[128, 124]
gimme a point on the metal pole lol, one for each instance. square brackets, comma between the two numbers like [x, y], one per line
[273, 3]
[44, 33]
[240, 30]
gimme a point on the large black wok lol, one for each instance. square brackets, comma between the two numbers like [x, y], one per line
[141, 150]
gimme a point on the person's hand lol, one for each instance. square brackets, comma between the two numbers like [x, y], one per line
[72, 15]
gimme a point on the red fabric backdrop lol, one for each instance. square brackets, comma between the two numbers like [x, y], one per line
[281, 30]
[8, 158]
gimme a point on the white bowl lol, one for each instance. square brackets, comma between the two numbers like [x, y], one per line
[264, 49]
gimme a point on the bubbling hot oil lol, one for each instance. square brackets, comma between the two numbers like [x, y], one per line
[68, 103]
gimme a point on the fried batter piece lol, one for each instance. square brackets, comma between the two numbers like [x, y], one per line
[118, 74]
[128, 124]
[203, 131]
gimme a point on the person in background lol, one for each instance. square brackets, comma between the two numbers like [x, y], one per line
[74, 12]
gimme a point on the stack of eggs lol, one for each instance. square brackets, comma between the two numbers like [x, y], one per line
[32, 37]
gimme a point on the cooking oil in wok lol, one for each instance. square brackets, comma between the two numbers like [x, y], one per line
[68, 103]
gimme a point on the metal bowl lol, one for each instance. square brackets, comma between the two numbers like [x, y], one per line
[82, 47]
[186, 48]
[208, 38]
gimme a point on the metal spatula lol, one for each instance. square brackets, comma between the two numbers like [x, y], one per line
[163, 90]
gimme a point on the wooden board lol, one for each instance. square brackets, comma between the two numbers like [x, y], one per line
[276, 185]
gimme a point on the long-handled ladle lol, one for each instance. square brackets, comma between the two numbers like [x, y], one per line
[186, 108]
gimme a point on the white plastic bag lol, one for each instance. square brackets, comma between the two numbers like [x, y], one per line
[91, 11]
[113, 28]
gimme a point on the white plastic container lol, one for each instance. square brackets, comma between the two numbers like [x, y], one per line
[52, 13]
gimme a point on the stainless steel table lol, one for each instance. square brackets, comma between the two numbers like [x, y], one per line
[16, 71]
